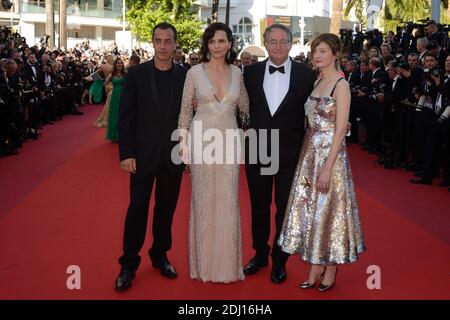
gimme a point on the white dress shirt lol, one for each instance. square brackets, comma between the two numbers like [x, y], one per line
[33, 68]
[276, 85]
[394, 83]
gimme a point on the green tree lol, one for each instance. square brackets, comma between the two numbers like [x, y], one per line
[359, 6]
[143, 15]
[397, 11]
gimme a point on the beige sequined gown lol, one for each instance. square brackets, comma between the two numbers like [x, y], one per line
[215, 248]
[322, 228]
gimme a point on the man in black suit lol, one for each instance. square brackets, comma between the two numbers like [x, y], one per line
[149, 109]
[278, 89]
[394, 114]
[32, 71]
[354, 80]
[178, 58]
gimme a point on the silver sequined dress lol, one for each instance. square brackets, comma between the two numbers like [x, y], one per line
[322, 228]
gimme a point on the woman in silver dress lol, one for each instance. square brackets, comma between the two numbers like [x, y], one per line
[322, 221]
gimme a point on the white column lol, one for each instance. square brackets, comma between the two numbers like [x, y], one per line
[27, 30]
[100, 4]
[302, 25]
[123, 15]
[98, 35]
[436, 10]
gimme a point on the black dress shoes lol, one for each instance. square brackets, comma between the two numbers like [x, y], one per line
[254, 265]
[166, 269]
[278, 274]
[422, 181]
[124, 280]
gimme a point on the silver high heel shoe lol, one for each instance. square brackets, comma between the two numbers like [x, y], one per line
[323, 288]
[307, 285]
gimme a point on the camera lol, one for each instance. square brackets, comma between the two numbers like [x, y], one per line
[435, 72]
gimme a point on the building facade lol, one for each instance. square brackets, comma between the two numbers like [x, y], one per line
[249, 18]
[94, 20]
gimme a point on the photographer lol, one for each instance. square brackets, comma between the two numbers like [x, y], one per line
[66, 94]
[436, 125]
[441, 54]
[354, 80]
[395, 115]
[422, 44]
[415, 75]
[427, 94]
[12, 124]
[433, 33]
[49, 105]
[373, 109]
[33, 84]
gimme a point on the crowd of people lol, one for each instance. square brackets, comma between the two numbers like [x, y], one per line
[399, 84]
[397, 91]
[39, 85]
[401, 96]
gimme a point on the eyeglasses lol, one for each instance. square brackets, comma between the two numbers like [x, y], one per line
[281, 43]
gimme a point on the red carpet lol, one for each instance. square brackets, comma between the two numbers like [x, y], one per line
[64, 199]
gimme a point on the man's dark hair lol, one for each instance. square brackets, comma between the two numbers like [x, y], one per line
[429, 54]
[165, 26]
[135, 58]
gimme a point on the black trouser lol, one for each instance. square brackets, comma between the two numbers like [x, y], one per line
[166, 196]
[355, 112]
[373, 112]
[419, 133]
[433, 146]
[446, 151]
[400, 131]
[66, 100]
[260, 187]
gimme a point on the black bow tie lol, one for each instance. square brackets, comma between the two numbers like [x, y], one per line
[272, 69]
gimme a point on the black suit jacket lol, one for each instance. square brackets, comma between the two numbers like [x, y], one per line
[29, 74]
[394, 95]
[354, 79]
[146, 120]
[289, 118]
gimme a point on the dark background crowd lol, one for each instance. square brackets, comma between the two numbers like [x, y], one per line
[39, 86]
[399, 82]
[401, 97]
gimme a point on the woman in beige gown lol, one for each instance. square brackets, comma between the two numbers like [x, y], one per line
[215, 249]
[107, 68]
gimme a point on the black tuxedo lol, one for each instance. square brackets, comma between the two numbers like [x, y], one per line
[289, 119]
[146, 122]
[354, 79]
[38, 79]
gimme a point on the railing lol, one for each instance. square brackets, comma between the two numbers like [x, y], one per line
[85, 10]
[208, 3]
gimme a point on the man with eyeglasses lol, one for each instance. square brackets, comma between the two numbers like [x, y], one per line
[278, 90]
[194, 59]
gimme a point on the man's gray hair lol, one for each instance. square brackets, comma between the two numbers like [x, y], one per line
[422, 41]
[277, 26]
